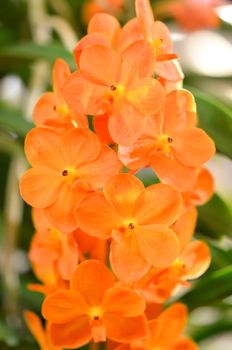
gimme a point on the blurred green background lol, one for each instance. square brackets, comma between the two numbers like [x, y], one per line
[33, 33]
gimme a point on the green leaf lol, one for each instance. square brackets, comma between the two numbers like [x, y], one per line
[31, 51]
[205, 332]
[216, 119]
[215, 218]
[12, 120]
[208, 290]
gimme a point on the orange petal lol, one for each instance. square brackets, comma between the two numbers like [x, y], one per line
[158, 245]
[61, 72]
[160, 31]
[97, 217]
[44, 248]
[175, 317]
[100, 123]
[104, 24]
[40, 187]
[129, 34]
[92, 247]
[179, 111]
[148, 98]
[138, 62]
[169, 71]
[161, 206]
[36, 328]
[89, 40]
[122, 192]
[184, 344]
[61, 213]
[76, 92]
[40, 220]
[202, 190]
[45, 108]
[100, 65]
[192, 147]
[68, 256]
[72, 334]
[196, 257]
[98, 172]
[123, 301]
[126, 260]
[64, 306]
[125, 330]
[185, 225]
[80, 146]
[92, 279]
[145, 18]
[172, 172]
[42, 148]
[125, 125]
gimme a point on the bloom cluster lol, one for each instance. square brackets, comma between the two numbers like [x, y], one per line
[108, 251]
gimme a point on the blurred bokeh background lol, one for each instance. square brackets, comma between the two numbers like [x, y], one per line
[33, 33]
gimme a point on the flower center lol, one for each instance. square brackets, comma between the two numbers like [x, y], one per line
[95, 313]
[156, 45]
[70, 175]
[63, 110]
[163, 143]
[178, 267]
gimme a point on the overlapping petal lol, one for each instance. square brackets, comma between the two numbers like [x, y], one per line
[158, 245]
[64, 306]
[97, 217]
[71, 334]
[168, 203]
[40, 187]
[126, 259]
[105, 69]
[192, 147]
[92, 279]
[122, 191]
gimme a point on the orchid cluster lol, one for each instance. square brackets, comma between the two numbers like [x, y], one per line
[108, 251]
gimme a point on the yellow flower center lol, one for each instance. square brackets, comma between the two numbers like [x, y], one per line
[163, 143]
[70, 174]
[63, 110]
[156, 45]
[178, 267]
[116, 92]
[95, 313]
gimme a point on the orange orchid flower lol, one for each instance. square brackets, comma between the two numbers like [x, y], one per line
[52, 110]
[90, 247]
[165, 332]
[171, 143]
[157, 35]
[94, 308]
[137, 219]
[160, 284]
[52, 250]
[37, 330]
[64, 169]
[122, 88]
